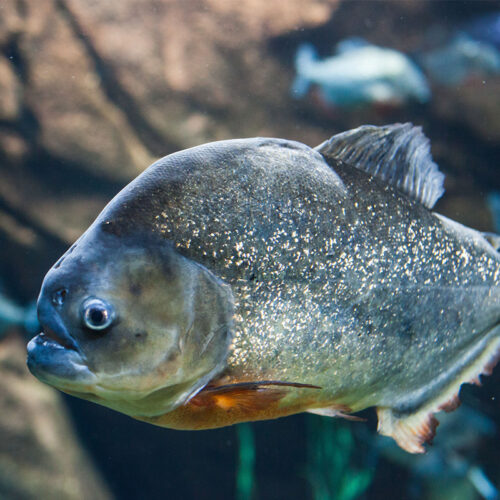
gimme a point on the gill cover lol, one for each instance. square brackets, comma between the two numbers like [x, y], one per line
[152, 326]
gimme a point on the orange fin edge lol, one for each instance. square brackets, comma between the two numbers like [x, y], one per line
[411, 433]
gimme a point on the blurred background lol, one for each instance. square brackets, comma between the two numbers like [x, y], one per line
[92, 92]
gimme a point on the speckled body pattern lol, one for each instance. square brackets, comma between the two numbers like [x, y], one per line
[338, 279]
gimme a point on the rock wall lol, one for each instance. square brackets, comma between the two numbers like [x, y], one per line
[92, 92]
[40, 459]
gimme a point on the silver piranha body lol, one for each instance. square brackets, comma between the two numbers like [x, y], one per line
[256, 278]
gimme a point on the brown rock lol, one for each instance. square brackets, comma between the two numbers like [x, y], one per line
[107, 88]
[11, 20]
[9, 92]
[77, 121]
[204, 55]
[40, 457]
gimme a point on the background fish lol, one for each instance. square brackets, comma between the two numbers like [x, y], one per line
[359, 73]
[256, 278]
[461, 58]
[13, 315]
[485, 28]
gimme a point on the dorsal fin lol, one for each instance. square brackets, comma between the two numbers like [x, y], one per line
[352, 43]
[399, 154]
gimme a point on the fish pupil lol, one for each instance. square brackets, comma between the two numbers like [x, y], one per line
[97, 316]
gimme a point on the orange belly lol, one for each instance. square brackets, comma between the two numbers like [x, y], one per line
[211, 409]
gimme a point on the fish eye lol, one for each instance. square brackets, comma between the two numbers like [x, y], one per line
[97, 314]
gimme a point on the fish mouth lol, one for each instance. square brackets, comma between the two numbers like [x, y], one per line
[58, 362]
[54, 356]
[64, 341]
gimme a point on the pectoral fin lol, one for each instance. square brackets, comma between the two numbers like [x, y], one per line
[248, 397]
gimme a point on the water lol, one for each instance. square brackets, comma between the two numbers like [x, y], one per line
[91, 93]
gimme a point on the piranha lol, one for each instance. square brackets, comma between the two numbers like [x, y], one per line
[461, 59]
[251, 279]
[359, 74]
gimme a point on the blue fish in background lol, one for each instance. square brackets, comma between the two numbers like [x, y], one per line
[359, 74]
[461, 58]
[485, 28]
[13, 315]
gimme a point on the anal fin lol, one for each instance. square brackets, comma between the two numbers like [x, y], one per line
[412, 430]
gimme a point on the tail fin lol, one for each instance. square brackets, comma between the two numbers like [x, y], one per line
[305, 57]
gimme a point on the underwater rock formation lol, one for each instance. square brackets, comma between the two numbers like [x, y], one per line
[88, 100]
[40, 457]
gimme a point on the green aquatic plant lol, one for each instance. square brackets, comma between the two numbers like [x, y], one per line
[331, 469]
[245, 473]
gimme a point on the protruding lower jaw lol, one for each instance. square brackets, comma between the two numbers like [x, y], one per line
[57, 365]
